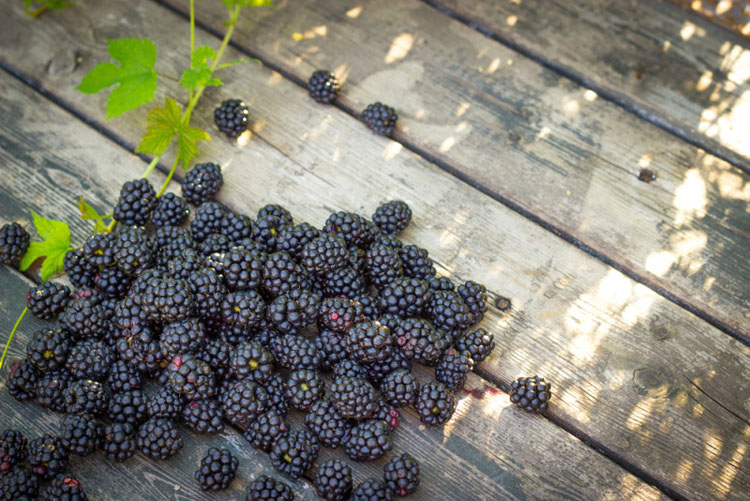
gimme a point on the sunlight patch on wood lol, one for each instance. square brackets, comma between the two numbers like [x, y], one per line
[577, 402]
[667, 45]
[544, 132]
[690, 198]
[511, 20]
[342, 73]
[463, 407]
[244, 138]
[321, 127]
[589, 95]
[354, 12]
[393, 149]
[659, 262]
[704, 81]
[712, 445]
[639, 414]
[274, 79]
[400, 47]
[684, 470]
[494, 65]
[447, 144]
[570, 107]
[723, 483]
[462, 109]
[731, 186]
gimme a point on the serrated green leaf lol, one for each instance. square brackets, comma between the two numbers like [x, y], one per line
[201, 55]
[87, 211]
[196, 78]
[136, 75]
[164, 125]
[186, 147]
[53, 247]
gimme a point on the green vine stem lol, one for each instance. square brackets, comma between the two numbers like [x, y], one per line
[169, 177]
[10, 338]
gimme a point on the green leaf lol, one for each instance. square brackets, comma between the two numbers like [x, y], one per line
[87, 211]
[53, 247]
[100, 227]
[186, 147]
[191, 78]
[201, 55]
[135, 75]
[164, 125]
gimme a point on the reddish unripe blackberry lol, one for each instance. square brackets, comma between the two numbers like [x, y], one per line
[65, 487]
[367, 342]
[265, 429]
[380, 118]
[232, 117]
[405, 297]
[137, 200]
[388, 413]
[203, 416]
[202, 183]
[265, 488]
[369, 440]
[333, 480]
[400, 388]
[294, 310]
[77, 268]
[243, 308]
[531, 394]
[119, 441]
[48, 300]
[48, 349]
[323, 86]
[47, 456]
[303, 388]
[392, 217]
[86, 396]
[327, 423]
[453, 368]
[295, 352]
[242, 401]
[182, 336]
[401, 475]
[81, 434]
[13, 449]
[353, 398]
[293, 454]
[170, 210]
[435, 403]
[191, 377]
[251, 360]
[217, 469]
[22, 380]
[475, 297]
[14, 240]
[159, 439]
[372, 489]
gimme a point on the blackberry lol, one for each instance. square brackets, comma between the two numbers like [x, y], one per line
[89, 359]
[65, 488]
[345, 281]
[448, 311]
[113, 282]
[84, 318]
[353, 398]
[85, 396]
[203, 416]
[435, 403]
[265, 488]
[303, 388]
[357, 257]
[417, 262]
[323, 254]
[242, 308]
[269, 426]
[331, 347]
[158, 438]
[140, 350]
[181, 266]
[323, 86]
[475, 297]
[19, 484]
[400, 388]
[293, 454]
[99, 250]
[137, 200]
[202, 183]
[232, 117]
[267, 229]
[48, 300]
[170, 210]
[389, 240]
[292, 239]
[183, 336]
[281, 274]
[81, 434]
[327, 423]
[339, 314]
[217, 354]
[242, 269]
[295, 352]
[388, 413]
[368, 441]
[396, 361]
[372, 489]
[366, 342]
[368, 304]
[127, 407]
[149, 279]
[242, 401]
[132, 250]
[405, 297]
[217, 469]
[276, 210]
[191, 377]
[392, 217]
[165, 403]
[236, 227]
[208, 293]
[14, 240]
[333, 480]
[380, 118]
[234, 334]
[441, 284]
[168, 300]
[22, 380]
[213, 247]
[349, 368]
[353, 228]
[123, 377]
[251, 360]
[47, 456]
[50, 389]
[401, 474]
[531, 394]
[169, 242]
[294, 310]
[419, 340]
[453, 368]
[275, 388]
[80, 272]
[207, 220]
[119, 441]
[48, 349]
[13, 449]
[383, 264]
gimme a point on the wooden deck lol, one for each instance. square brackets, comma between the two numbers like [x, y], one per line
[523, 128]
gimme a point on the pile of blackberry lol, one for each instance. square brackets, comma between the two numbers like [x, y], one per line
[241, 321]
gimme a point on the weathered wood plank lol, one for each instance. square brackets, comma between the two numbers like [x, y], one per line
[505, 468]
[727, 13]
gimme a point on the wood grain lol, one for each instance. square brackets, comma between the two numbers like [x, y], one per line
[734, 15]
[510, 466]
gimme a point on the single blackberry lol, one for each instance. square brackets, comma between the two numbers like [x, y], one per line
[181, 266]
[165, 403]
[213, 247]
[158, 438]
[265, 488]
[47, 456]
[137, 200]
[123, 377]
[353, 398]
[294, 310]
[531, 394]
[202, 183]
[14, 240]
[251, 360]
[265, 429]
[366, 342]
[217, 469]
[86, 396]
[267, 229]
[327, 423]
[453, 368]
[208, 293]
[331, 347]
[353, 228]
[81, 434]
[242, 401]
[281, 274]
[183, 336]
[242, 308]
[13, 449]
[22, 380]
[339, 314]
[293, 454]
[113, 282]
[401, 475]
[241, 268]
[333, 480]
[48, 349]
[168, 300]
[149, 279]
[417, 262]
[475, 297]
[140, 349]
[169, 242]
[349, 368]
[90, 359]
[380, 118]
[236, 227]
[323, 86]
[441, 284]
[345, 281]
[132, 250]
[99, 250]
[368, 304]
[48, 300]
[392, 217]
[323, 254]
[207, 220]
[292, 239]
[419, 340]
[295, 352]
[191, 377]
[383, 264]
[435, 403]
[232, 117]
[357, 258]
[388, 413]
[396, 361]
[234, 334]
[19, 484]
[119, 441]
[405, 297]
[217, 354]
[389, 240]
[368, 441]
[65, 487]
[128, 407]
[50, 389]
[276, 210]
[203, 416]
[448, 311]
[372, 489]
[170, 210]
[84, 318]
[400, 388]
[275, 388]
[77, 268]
[303, 388]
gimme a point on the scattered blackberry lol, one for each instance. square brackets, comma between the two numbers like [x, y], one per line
[165, 403]
[242, 308]
[368, 441]
[14, 240]
[217, 469]
[396, 361]
[441, 284]
[170, 210]
[353, 398]
[140, 350]
[119, 441]
[366, 342]
[217, 354]
[372, 489]
[159, 439]
[86, 396]
[132, 250]
[292, 239]
[401, 475]
[453, 368]
[346, 281]
[213, 247]
[84, 318]
[531, 394]
[99, 250]
[203, 416]
[353, 228]
[323, 254]
[383, 264]
[303, 388]
[81, 434]
[13, 449]
[50, 389]
[417, 262]
[128, 407]
[242, 401]
[202, 183]
[327, 423]
[232, 117]
[168, 300]
[123, 377]
[294, 310]
[389, 240]
[113, 282]
[22, 380]
[392, 217]
[380, 118]
[323, 86]
[269, 426]
[208, 293]
[241, 268]
[405, 297]
[19, 484]
[475, 297]
[281, 274]
[333, 480]
[357, 257]
[331, 347]
[90, 359]
[183, 336]
[349, 368]
[295, 352]
[137, 200]
[419, 340]
[293, 454]
[48, 349]
[77, 268]
[191, 377]
[275, 388]
[435, 403]
[251, 360]
[388, 413]
[275, 210]
[400, 388]
[48, 300]
[47, 456]
[65, 488]
[266, 488]
[448, 311]
[207, 220]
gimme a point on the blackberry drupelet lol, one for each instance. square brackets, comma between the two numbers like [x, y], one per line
[241, 268]
[170, 210]
[339, 314]
[441, 284]
[392, 217]
[14, 240]
[295, 352]
[132, 250]
[367, 342]
[383, 264]
[349, 368]
[217, 354]
[191, 377]
[331, 347]
[99, 250]
[86, 396]
[417, 262]
[123, 377]
[401, 475]
[65, 487]
[453, 368]
[531, 394]
[232, 117]
[168, 300]
[353, 398]
[380, 118]
[217, 469]
[265, 429]
[252, 361]
[346, 281]
[84, 318]
[207, 220]
[323, 254]
[158, 438]
[292, 239]
[13, 449]
[327, 423]
[372, 489]
[303, 388]
[395, 361]
[265, 488]
[119, 441]
[405, 297]
[80, 272]
[202, 183]
[448, 311]
[435, 403]
[208, 292]
[475, 297]
[22, 380]
[47, 456]
[203, 416]
[368, 441]
[165, 403]
[281, 274]
[90, 359]
[243, 308]
[137, 200]
[323, 86]
[182, 336]
[81, 434]
[294, 310]
[19, 484]
[48, 349]
[333, 480]
[353, 228]
[242, 401]
[293, 454]
[400, 388]
[128, 407]
[48, 300]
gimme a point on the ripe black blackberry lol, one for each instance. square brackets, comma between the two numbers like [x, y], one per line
[243, 308]
[90, 359]
[14, 240]
[203, 416]
[531, 394]
[369, 306]
[353, 398]
[333, 480]
[213, 247]
[323, 86]
[86, 396]
[84, 318]
[388, 413]
[98, 250]
[441, 284]
[265, 429]
[168, 300]
[202, 183]
[13, 449]
[417, 262]
[147, 280]
[293, 454]
[132, 250]
[453, 368]
[281, 274]
[191, 377]
[475, 297]
[113, 282]
[140, 349]
[331, 347]
[367, 342]
[208, 292]
[234, 334]
[80, 272]
[383, 264]
[448, 311]
[353, 228]
[380, 118]
[127, 407]
[339, 314]
[400, 388]
[170, 210]
[275, 388]
[252, 361]
[349, 368]
[158, 438]
[241, 268]
[119, 441]
[48, 349]
[327, 423]
[236, 227]
[47, 456]
[323, 254]
[267, 229]
[232, 117]
[181, 266]
[81, 434]
[217, 354]
[48, 300]
[165, 403]
[435, 403]
[394, 362]
[182, 336]
[295, 352]
[303, 388]
[65, 487]
[345, 281]
[372, 489]
[392, 217]
[217, 469]
[137, 200]
[50, 389]
[207, 221]
[19, 484]
[405, 297]
[276, 210]
[242, 401]
[22, 380]
[292, 239]
[368, 441]
[170, 241]
[294, 310]
[401, 475]
[123, 377]
[265, 488]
